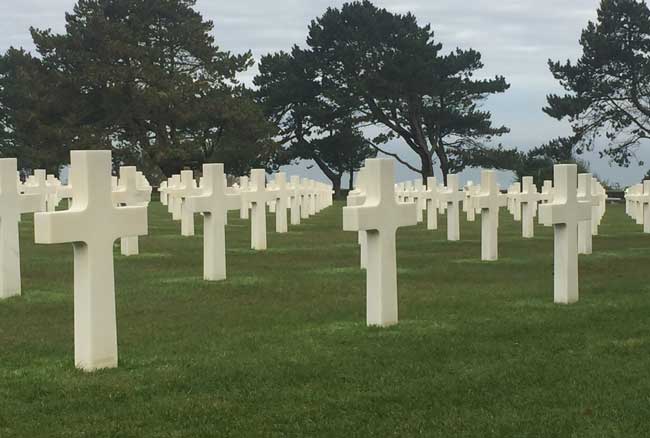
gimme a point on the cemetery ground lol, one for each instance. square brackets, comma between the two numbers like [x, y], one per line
[281, 348]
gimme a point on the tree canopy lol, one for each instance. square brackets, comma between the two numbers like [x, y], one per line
[608, 88]
[313, 126]
[142, 77]
[392, 71]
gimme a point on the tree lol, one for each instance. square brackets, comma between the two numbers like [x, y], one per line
[608, 88]
[144, 78]
[392, 71]
[31, 119]
[311, 125]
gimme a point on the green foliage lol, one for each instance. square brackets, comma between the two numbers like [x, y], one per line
[312, 125]
[607, 95]
[393, 72]
[32, 118]
[145, 78]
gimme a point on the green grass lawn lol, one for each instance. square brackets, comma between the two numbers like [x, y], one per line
[281, 347]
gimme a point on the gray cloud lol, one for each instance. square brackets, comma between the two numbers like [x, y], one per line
[516, 38]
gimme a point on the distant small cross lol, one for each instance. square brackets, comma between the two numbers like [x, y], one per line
[214, 201]
[452, 197]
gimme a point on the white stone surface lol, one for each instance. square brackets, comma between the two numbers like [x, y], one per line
[469, 208]
[92, 224]
[452, 197]
[12, 205]
[280, 193]
[185, 188]
[380, 216]
[489, 201]
[355, 198]
[304, 199]
[163, 192]
[129, 193]
[257, 196]
[214, 201]
[431, 199]
[584, 227]
[295, 195]
[245, 206]
[528, 200]
[564, 213]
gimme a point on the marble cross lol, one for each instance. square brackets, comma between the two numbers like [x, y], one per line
[644, 199]
[92, 224]
[12, 205]
[280, 193]
[452, 197]
[528, 199]
[257, 196]
[163, 192]
[295, 198]
[430, 197]
[37, 185]
[488, 201]
[305, 199]
[186, 188]
[173, 202]
[214, 201]
[355, 198]
[547, 192]
[52, 185]
[245, 206]
[565, 213]
[470, 191]
[128, 193]
[515, 207]
[585, 239]
[418, 196]
[380, 216]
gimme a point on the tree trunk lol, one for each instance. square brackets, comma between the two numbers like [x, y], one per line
[444, 163]
[351, 183]
[426, 166]
[329, 173]
[336, 183]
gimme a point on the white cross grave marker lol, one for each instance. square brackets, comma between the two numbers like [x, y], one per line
[488, 201]
[430, 197]
[451, 196]
[245, 206]
[564, 213]
[12, 205]
[129, 194]
[92, 224]
[584, 227]
[180, 192]
[213, 201]
[528, 199]
[295, 194]
[258, 196]
[380, 216]
[280, 193]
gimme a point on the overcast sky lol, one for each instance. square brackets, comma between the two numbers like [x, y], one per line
[516, 38]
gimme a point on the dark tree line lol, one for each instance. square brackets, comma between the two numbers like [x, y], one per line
[141, 77]
[146, 79]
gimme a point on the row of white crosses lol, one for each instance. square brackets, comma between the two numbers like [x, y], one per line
[92, 223]
[573, 205]
[637, 204]
[251, 196]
